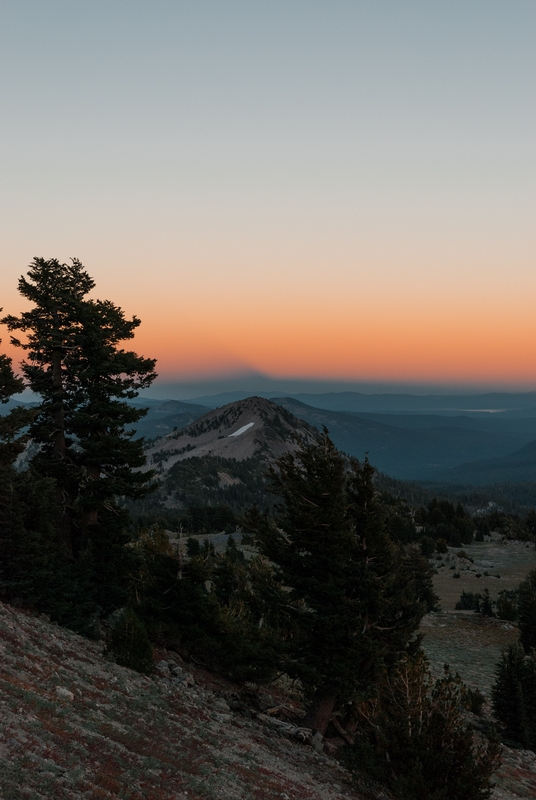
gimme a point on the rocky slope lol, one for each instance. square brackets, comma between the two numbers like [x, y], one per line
[73, 725]
[240, 430]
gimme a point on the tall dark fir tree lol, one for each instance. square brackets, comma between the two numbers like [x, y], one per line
[75, 363]
[26, 505]
[353, 597]
[11, 443]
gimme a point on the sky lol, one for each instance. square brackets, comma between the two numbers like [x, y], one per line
[340, 192]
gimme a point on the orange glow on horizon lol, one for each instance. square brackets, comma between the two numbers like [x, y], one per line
[396, 334]
[395, 346]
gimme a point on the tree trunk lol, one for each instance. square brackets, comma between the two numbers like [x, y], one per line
[65, 536]
[59, 413]
[319, 712]
[91, 516]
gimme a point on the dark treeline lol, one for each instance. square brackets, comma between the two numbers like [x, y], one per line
[513, 498]
[332, 596]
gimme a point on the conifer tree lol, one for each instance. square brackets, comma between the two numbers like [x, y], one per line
[514, 695]
[527, 611]
[11, 444]
[74, 362]
[354, 599]
[412, 736]
[129, 643]
[26, 506]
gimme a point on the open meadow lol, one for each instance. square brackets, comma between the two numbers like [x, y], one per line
[471, 643]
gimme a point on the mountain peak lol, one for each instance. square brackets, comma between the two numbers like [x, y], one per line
[240, 430]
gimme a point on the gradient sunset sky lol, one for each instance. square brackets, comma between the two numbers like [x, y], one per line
[336, 190]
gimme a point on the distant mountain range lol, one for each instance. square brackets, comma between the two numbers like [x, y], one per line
[475, 447]
[167, 416]
[458, 439]
[489, 403]
[516, 467]
[420, 451]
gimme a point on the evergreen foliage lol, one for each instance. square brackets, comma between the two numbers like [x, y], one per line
[469, 601]
[62, 534]
[504, 607]
[506, 604]
[527, 611]
[27, 537]
[411, 736]
[129, 644]
[217, 608]
[514, 696]
[353, 598]
[513, 498]
[514, 692]
[250, 602]
[12, 442]
[27, 508]
[195, 482]
[170, 595]
[486, 604]
[442, 519]
[84, 378]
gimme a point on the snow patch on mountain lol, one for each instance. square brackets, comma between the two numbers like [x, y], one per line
[242, 430]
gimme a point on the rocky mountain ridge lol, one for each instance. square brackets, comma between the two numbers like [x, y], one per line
[240, 430]
[223, 458]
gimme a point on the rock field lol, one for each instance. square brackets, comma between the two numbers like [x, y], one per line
[74, 725]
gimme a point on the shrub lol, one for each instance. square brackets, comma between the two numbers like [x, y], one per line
[514, 696]
[427, 546]
[486, 605]
[474, 700]
[527, 611]
[193, 548]
[506, 604]
[441, 546]
[129, 644]
[469, 601]
[412, 737]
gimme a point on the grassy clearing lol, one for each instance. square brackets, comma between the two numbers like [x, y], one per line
[469, 643]
[511, 560]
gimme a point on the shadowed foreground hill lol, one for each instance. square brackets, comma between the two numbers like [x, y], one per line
[74, 725]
